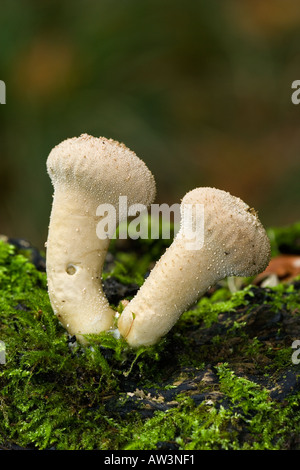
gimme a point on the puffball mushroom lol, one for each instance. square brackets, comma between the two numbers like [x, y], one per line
[234, 244]
[87, 172]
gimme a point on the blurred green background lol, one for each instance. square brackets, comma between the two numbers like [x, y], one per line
[200, 90]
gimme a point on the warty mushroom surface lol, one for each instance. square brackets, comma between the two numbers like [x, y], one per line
[86, 172]
[234, 244]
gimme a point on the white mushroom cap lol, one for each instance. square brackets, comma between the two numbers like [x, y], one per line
[234, 244]
[233, 229]
[102, 169]
[87, 172]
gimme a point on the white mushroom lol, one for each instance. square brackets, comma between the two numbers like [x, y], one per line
[87, 172]
[234, 244]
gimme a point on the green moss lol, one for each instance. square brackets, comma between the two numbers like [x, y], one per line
[267, 421]
[285, 239]
[222, 300]
[188, 426]
[246, 406]
[212, 383]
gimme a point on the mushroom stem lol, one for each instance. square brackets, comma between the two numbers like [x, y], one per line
[234, 244]
[75, 259]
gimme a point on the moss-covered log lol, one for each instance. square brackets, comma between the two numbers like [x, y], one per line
[225, 377]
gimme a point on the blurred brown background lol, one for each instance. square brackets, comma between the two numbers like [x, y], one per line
[200, 90]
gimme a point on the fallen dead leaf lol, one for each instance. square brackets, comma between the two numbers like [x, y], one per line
[285, 267]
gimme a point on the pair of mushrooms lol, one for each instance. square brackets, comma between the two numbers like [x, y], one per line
[88, 171]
